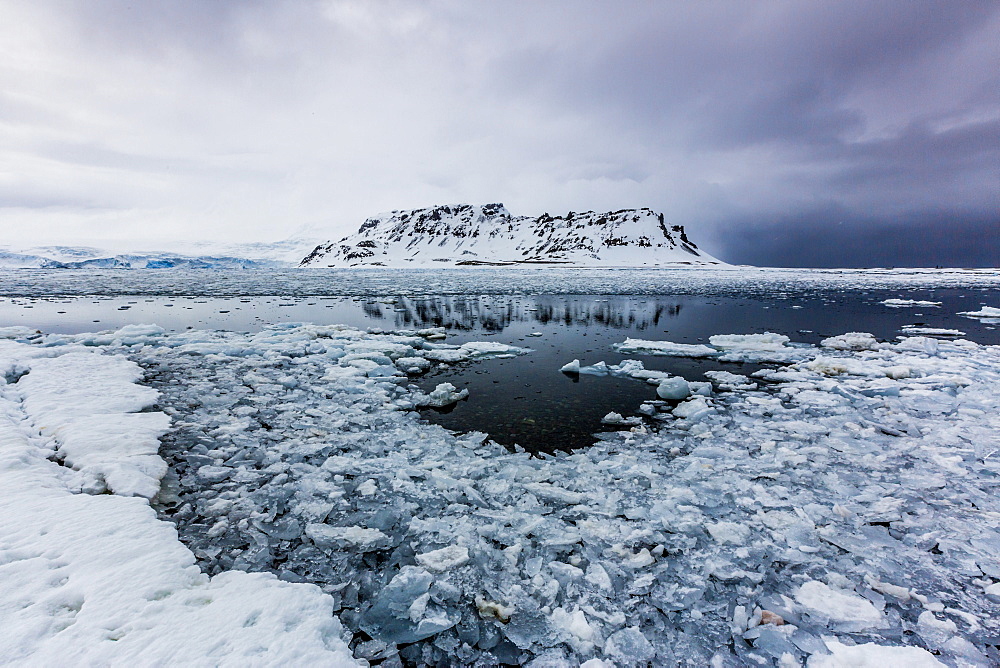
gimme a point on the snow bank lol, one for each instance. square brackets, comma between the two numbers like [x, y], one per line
[98, 579]
[87, 403]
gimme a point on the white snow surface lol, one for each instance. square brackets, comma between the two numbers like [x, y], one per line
[87, 404]
[98, 579]
[851, 477]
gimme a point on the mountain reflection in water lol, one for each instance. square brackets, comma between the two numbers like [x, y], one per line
[494, 314]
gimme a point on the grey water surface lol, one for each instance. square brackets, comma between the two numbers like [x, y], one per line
[526, 401]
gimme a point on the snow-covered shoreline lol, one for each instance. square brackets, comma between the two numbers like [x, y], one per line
[842, 509]
[93, 578]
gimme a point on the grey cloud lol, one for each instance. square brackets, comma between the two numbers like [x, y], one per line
[259, 117]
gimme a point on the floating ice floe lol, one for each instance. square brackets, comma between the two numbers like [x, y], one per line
[919, 330]
[443, 395]
[616, 419]
[898, 303]
[730, 381]
[987, 315]
[673, 389]
[851, 341]
[571, 367]
[667, 348]
[766, 347]
[476, 350]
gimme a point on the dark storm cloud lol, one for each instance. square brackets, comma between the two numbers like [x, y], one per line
[257, 117]
[835, 239]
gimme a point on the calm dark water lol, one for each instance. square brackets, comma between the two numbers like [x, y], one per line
[526, 400]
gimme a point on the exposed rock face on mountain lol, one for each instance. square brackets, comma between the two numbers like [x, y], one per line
[467, 235]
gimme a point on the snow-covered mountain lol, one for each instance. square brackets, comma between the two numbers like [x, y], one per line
[467, 235]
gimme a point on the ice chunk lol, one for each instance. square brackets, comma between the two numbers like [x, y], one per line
[898, 372]
[934, 631]
[444, 394]
[400, 614]
[730, 381]
[767, 341]
[908, 302]
[414, 365]
[551, 492]
[693, 409]
[445, 559]
[728, 532]
[599, 369]
[572, 367]
[471, 350]
[673, 389]
[930, 331]
[993, 592]
[666, 348]
[984, 312]
[851, 341]
[838, 606]
[613, 418]
[433, 333]
[629, 647]
[575, 628]
[361, 538]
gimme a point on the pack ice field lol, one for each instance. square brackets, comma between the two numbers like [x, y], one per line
[276, 493]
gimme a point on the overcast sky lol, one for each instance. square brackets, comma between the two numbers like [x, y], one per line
[849, 132]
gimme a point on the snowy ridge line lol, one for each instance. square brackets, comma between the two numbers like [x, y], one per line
[97, 578]
[847, 507]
